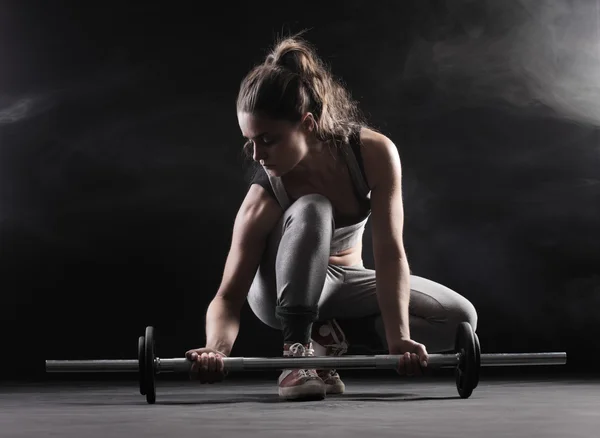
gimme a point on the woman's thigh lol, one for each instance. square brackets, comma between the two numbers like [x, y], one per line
[354, 295]
[351, 292]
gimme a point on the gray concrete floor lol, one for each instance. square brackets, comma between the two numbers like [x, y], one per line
[513, 407]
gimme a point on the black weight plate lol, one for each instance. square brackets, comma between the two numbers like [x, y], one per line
[142, 364]
[477, 360]
[466, 371]
[149, 370]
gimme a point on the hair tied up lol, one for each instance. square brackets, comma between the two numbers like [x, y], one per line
[294, 56]
[291, 81]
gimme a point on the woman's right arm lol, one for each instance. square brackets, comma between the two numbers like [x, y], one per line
[254, 221]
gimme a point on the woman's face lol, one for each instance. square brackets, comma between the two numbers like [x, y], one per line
[278, 145]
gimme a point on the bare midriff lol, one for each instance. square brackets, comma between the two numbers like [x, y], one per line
[349, 257]
[333, 182]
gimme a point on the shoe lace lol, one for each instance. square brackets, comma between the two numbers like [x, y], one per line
[299, 350]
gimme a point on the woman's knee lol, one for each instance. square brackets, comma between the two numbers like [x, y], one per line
[264, 310]
[460, 309]
[440, 302]
[313, 208]
[465, 312]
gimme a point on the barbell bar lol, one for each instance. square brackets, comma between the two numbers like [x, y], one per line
[179, 365]
[467, 360]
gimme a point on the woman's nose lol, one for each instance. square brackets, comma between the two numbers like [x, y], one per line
[258, 154]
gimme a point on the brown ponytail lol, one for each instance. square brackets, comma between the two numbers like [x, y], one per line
[293, 80]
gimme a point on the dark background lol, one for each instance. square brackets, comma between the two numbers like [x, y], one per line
[121, 169]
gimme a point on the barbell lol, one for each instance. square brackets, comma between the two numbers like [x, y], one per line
[467, 360]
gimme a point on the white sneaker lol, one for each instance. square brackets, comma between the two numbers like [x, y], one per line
[300, 384]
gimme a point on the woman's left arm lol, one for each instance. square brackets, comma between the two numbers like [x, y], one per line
[391, 265]
[392, 273]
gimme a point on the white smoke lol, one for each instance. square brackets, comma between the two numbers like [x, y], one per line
[17, 109]
[526, 54]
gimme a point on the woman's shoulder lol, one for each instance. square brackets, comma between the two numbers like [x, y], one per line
[377, 151]
[370, 137]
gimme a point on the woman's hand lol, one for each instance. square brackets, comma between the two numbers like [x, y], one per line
[414, 357]
[207, 365]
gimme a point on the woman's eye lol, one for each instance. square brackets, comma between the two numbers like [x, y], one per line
[267, 140]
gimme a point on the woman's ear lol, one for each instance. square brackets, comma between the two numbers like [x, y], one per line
[309, 123]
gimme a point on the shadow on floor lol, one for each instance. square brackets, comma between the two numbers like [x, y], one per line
[274, 398]
[269, 398]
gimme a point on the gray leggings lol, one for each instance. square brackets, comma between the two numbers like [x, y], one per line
[295, 273]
